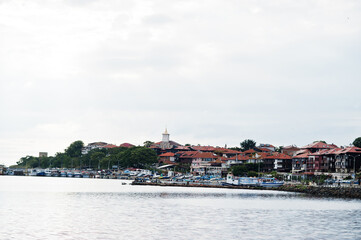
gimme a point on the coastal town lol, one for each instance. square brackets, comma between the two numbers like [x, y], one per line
[182, 162]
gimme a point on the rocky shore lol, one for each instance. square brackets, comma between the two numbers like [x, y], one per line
[320, 191]
[317, 191]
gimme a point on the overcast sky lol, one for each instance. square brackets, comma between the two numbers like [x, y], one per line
[213, 72]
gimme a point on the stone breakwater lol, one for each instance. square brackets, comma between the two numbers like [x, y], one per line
[320, 191]
[317, 191]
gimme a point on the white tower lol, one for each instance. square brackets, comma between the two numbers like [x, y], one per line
[165, 138]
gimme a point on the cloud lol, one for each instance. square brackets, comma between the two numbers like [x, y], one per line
[215, 73]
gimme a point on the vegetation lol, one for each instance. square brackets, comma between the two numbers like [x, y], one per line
[148, 144]
[248, 169]
[248, 144]
[357, 142]
[137, 157]
[279, 149]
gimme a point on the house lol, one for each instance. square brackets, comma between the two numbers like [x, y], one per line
[290, 150]
[200, 163]
[279, 162]
[91, 146]
[299, 162]
[348, 160]
[167, 158]
[317, 146]
[267, 146]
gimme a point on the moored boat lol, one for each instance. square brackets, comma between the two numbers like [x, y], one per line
[252, 181]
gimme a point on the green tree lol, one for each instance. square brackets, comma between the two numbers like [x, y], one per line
[357, 142]
[279, 149]
[138, 157]
[248, 144]
[96, 158]
[246, 169]
[148, 144]
[74, 150]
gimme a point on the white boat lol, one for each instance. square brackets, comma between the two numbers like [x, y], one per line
[33, 172]
[252, 181]
[47, 172]
[270, 182]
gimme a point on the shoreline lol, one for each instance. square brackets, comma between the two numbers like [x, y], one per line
[316, 191]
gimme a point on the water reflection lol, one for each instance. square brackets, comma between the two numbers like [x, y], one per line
[95, 209]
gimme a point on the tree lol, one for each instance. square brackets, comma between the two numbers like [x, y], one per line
[357, 142]
[74, 150]
[96, 157]
[248, 169]
[138, 157]
[148, 144]
[248, 144]
[279, 149]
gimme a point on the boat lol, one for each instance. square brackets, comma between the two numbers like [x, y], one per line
[252, 181]
[47, 172]
[270, 182]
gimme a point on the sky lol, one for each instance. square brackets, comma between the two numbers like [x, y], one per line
[213, 72]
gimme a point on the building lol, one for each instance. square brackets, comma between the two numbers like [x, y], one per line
[348, 160]
[267, 146]
[279, 162]
[166, 145]
[43, 154]
[299, 162]
[317, 146]
[290, 150]
[91, 146]
[201, 163]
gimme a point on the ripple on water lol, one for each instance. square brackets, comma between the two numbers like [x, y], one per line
[133, 212]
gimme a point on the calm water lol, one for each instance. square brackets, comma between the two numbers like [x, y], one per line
[68, 208]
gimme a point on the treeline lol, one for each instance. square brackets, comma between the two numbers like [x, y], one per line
[137, 157]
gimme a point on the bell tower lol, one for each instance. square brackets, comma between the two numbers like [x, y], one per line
[165, 138]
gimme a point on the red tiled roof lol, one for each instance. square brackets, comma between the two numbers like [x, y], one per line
[110, 146]
[278, 156]
[320, 145]
[127, 145]
[348, 150]
[204, 155]
[167, 154]
[302, 155]
[250, 151]
[264, 149]
[239, 158]
[204, 148]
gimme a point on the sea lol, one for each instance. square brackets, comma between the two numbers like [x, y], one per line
[76, 208]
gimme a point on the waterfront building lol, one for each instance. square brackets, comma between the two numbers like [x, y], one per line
[348, 160]
[299, 162]
[279, 162]
[201, 162]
